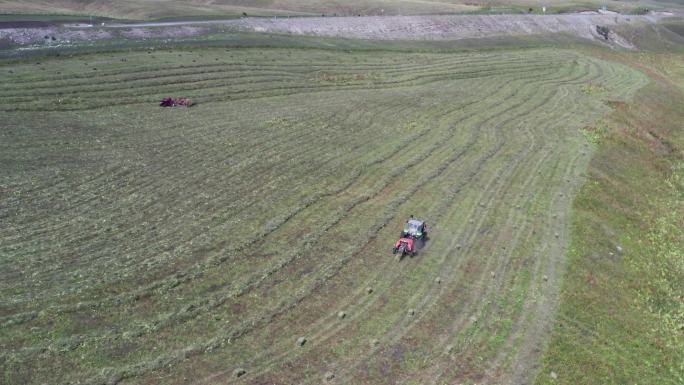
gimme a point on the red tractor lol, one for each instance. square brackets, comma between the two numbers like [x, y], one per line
[415, 230]
[404, 246]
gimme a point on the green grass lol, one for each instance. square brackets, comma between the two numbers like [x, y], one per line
[143, 242]
[621, 313]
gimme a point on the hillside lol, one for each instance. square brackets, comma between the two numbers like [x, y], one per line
[248, 239]
[153, 9]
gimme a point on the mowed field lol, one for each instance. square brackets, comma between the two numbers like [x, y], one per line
[142, 245]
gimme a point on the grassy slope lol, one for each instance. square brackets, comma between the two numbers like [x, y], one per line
[610, 331]
[145, 9]
[621, 317]
[146, 243]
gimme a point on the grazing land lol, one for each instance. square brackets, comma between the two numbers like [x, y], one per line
[155, 9]
[247, 239]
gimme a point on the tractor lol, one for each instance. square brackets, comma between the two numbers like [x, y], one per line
[173, 102]
[412, 237]
[415, 229]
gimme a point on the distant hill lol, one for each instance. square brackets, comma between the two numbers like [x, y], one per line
[156, 9]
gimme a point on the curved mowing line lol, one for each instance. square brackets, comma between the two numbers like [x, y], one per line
[381, 224]
[313, 281]
[181, 70]
[317, 339]
[571, 166]
[458, 323]
[397, 331]
[296, 69]
[363, 198]
[118, 101]
[530, 321]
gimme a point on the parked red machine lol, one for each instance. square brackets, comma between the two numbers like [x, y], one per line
[171, 102]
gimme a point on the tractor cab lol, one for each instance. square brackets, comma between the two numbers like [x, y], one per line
[415, 229]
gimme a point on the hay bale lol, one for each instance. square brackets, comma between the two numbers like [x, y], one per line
[458, 247]
[329, 376]
[449, 348]
[341, 314]
[438, 280]
[375, 342]
[239, 372]
[369, 290]
[411, 312]
[546, 278]
[618, 248]
[493, 274]
[556, 235]
[301, 341]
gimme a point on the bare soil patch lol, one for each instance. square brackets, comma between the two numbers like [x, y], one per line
[440, 27]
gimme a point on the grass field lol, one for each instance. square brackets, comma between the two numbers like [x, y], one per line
[621, 316]
[143, 245]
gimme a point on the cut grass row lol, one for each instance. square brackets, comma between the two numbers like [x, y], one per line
[229, 229]
[222, 83]
[237, 193]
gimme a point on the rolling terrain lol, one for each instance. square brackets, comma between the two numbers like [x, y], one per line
[155, 9]
[247, 239]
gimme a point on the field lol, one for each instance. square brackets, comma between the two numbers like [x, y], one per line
[155, 9]
[621, 312]
[143, 245]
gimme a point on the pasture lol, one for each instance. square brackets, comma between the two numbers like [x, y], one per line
[143, 245]
[157, 9]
